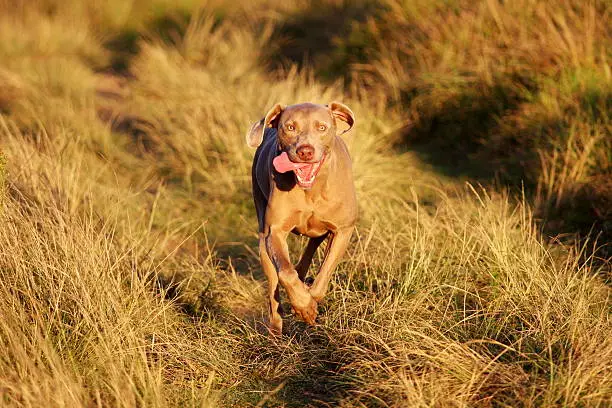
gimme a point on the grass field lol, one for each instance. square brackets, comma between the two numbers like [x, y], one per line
[479, 273]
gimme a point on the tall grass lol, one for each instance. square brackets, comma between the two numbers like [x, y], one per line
[128, 241]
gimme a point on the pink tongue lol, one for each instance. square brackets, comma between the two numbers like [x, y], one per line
[282, 164]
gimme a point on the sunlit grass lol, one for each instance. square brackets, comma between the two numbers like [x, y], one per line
[128, 250]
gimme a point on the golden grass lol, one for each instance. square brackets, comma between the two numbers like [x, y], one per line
[128, 241]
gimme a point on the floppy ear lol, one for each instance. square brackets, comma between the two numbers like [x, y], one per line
[255, 135]
[342, 112]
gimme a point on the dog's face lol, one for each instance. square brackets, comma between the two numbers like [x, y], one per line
[305, 131]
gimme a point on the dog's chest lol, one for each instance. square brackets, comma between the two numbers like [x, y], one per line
[311, 212]
[310, 224]
[316, 217]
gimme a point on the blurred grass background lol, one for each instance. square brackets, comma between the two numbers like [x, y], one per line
[480, 271]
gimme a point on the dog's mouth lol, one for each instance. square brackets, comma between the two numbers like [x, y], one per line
[305, 173]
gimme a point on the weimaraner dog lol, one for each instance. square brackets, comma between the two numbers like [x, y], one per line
[302, 183]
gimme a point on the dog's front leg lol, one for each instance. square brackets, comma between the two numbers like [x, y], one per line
[335, 249]
[274, 307]
[302, 302]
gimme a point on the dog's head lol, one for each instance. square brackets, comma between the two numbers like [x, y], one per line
[305, 131]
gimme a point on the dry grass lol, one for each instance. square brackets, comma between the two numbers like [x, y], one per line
[128, 245]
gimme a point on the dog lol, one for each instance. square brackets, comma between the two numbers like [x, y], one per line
[302, 183]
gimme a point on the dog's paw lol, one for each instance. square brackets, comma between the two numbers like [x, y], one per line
[308, 312]
[275, 327]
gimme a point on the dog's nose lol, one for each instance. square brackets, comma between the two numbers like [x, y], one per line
[305, 152]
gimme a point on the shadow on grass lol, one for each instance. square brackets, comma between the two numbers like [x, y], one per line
[307, 370]
[483, 134]
[328, 36]
[198, 304]
[123, 47]
[584, 216]
[462, 136]
[125, 44]
[241, 256]
[170, 28]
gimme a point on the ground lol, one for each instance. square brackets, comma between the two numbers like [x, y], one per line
[479, 272]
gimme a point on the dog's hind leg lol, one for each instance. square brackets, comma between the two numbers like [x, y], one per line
[304, 264]
[274, 307]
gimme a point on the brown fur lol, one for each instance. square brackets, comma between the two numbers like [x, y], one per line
[328, 210]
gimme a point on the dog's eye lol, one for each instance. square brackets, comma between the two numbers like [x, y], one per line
[322, 128]
[290, 127]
